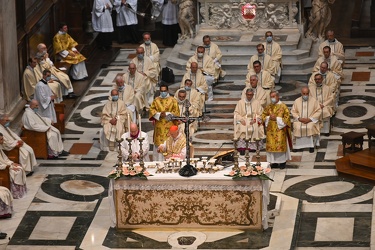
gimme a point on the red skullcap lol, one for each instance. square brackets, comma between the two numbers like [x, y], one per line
[173, 128]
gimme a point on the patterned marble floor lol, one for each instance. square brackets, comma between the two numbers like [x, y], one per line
[311, 207]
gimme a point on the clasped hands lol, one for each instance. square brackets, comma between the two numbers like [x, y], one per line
[113, 121]
[304, 120]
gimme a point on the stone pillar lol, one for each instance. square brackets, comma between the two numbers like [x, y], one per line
[10, 99]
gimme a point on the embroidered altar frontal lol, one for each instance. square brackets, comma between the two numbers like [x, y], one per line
[188, 203]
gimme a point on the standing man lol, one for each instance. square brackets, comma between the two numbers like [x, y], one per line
[273, 49]
[12, 140]
[214, 52]
[248, 122]
[135, 133]
[136, 80]
[161, 107]
[170, 23]
[127, 21]
[306, 113]
[276, 118]
[259, 93]
[126, 94]
[115, 119]
[64, 46]
[151, 51]
[45, 97]
[33, 121]
[102, 22]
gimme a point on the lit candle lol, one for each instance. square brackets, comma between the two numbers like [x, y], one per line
[128, 122]
[139, 123]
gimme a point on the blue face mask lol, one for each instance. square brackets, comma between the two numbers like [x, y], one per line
[148, 42]
[163, 94]
[187, 88]
[7, 124]
[48, 78]
[305, 97]
[273, 100]
[114, 98]
[35, 110]
[140, 56]
[207, 46]
[269, 39]
[121, 88]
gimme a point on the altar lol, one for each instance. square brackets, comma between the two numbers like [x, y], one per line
[204, 201]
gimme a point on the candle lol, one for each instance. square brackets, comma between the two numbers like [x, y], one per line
[139, 123]
[128, 122]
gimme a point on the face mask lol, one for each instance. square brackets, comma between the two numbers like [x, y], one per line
[260, 54]
[305, 97]
[163, 94]
[207, 46]
[35, 110]
[114, 98]
[273, 100]
[187, 88]
[148, 42]
[269, 39]
[121, 88]
[7, 124]
[48, 78]
[200, 55]
[140, 56]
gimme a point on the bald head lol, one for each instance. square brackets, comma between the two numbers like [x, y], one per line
[34, 104]
[114, 92]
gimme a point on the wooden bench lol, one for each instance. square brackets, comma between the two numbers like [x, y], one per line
[5, 177]
[14, 154]
[37, 141]
[60, 115]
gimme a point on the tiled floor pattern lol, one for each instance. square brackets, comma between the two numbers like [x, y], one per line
[315, 208]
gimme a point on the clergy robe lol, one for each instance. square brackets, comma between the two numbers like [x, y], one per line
[265, 81]
[17, 176]
[43, 95]
[110, 133]
[306, 109]
[250, 112]
[329, 80]
[266, 61]
[273, 49]
[152, 51]
[261, 95]
[147, 67]
[137, 82]
[31, 77]
[101, 16]
[206, 65]
[126, 21]
[135, 146]
[161, 128]
[127, 96]
[215, 53]
[34, 122]
[63, 44]
[278, 140]
[324, 96]
[26, 157]
[195, 110]
[175, 148]
[198, 79]
[6, 201]
[57, 74]
[334, 66]
[337, 49]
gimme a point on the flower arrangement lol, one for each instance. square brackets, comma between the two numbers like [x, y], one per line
[252, 171]
[126, 170]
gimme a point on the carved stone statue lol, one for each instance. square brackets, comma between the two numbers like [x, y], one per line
[320, 17]
[186, 19]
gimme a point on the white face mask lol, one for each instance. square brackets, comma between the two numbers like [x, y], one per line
[305, 97]
[273, 100]
[200, 55]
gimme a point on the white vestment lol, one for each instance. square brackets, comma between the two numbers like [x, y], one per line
[137, 82]
[101, 16]
[135, 146]
[126, 15]
[46, 106]
[152, 51]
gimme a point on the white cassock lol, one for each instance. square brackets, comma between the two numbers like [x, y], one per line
[6, 201]
[102, 20]
[126, 16]
[26, 157]
[46, 106]
[33, 121]
[135, 146]
[17, 176]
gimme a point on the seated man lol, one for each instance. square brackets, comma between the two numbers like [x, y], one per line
[188, 97]
[135, 133]
[334, 65]
[30, 78]
[329, 78]
[6, 206]
[126, 94]
[17, 174]
[206, 65]
[248, 122]
[264, 59]
[260, 94]
[323, 94]
[215, 53]
[175, 145]
[115, 118]
[306, 114]
[151, 51]
[265, 80]
[337, 49]
[12, 140]
[273, 49]
[64, 46]
[33, 121]
[137, 81]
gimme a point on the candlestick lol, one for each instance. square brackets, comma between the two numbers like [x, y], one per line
[141, 162]
[247, 155]
[119, 157]
[235, 167]
[130, 157]
[139, 123]
[128, 122]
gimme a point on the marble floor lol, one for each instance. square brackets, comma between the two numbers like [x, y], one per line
[311, 207]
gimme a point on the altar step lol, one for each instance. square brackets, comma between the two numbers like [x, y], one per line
[360, 164]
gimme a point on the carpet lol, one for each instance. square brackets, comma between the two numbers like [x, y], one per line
[364, 53]
[80, 148]
[361, 76]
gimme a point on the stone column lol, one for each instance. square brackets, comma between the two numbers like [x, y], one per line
[10, 99]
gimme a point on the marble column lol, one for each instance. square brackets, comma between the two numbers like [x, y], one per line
[10, 99]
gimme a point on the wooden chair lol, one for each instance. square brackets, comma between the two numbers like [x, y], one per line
[14, 154]
[5, 177]
[60, 115]
[37, 141]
